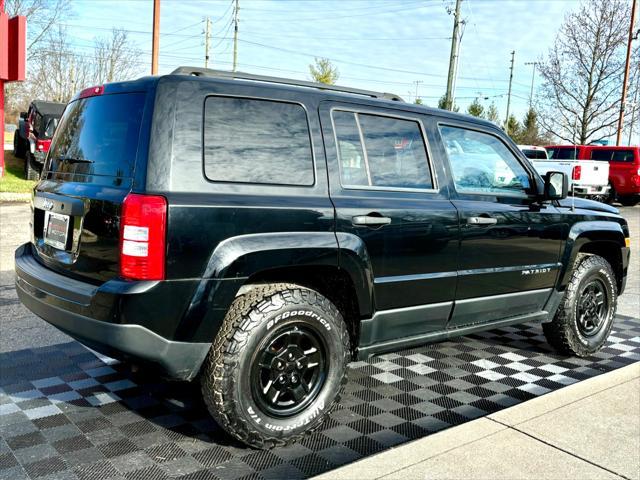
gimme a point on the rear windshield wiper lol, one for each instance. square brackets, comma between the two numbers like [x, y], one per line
[74, 160]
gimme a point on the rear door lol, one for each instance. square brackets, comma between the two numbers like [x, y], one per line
[91, 166]
[387, 193]
[510, 244]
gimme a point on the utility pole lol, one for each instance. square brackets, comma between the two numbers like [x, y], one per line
[453, 58]
[236, 10]
[506, 121]
[416, 83]
[533, 76]
[207, 41]
[633, 113]
[155, 42]
[626, 73]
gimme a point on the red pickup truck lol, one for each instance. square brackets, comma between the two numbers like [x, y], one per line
[624, 167]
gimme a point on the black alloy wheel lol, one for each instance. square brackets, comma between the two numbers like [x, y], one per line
[289, 370]
[593, 307]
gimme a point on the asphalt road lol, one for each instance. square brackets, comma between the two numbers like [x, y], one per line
[20, 329]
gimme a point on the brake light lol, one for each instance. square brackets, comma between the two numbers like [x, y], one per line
[577, 172]
[92, 91]
[142, 237]
[40, 146]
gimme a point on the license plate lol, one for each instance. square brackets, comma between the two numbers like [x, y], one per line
[56, 228]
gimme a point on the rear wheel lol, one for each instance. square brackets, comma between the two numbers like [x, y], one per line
[630, 200]
[30, 170]
[611, 196]
[277, 365]
[584, 319]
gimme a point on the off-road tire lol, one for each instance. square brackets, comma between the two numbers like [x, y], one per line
[30, 171]
[251, 321]
[18, 148]
[629, 201]
[563, 332]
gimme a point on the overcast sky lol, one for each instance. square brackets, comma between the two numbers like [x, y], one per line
[381, 45]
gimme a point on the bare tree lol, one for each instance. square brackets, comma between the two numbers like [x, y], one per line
[115, 58]
[41, 15]
[57, 71]
[582, 74]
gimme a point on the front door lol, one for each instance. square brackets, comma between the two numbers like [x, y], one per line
[510, 243]
[387, 195]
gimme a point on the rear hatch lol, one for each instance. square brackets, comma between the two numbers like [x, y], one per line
[90, 169]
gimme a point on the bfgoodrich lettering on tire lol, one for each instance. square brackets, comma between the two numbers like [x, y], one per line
[584, 319]
[277, 365]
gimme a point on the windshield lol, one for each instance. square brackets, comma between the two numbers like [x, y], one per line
[535, 154]
[98, 136]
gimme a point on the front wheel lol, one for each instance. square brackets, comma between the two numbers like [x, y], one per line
[584, 318]
[277, 365]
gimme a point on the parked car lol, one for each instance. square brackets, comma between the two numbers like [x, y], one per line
[588, 179]
[20, 137]
[40, 123]
[534, 152]
[258, 233]
[624, 167]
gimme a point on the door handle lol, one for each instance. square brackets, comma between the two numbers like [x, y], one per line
[482, 221]
[370, 220]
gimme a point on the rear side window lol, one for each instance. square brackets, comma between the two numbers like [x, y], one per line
[605, 155]
[384, 152]
[257, 141]
[98, 136]
[562, 153]
[535, 154]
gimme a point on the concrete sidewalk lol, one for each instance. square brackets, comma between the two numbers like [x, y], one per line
[589, 430]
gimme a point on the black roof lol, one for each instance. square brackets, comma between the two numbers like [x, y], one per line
[49, 108]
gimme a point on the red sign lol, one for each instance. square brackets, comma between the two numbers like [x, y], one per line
[13, 35]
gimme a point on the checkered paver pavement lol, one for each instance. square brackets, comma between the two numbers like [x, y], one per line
[67, 414]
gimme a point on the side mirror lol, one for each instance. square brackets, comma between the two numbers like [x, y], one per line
[23, 115]
[556, 186]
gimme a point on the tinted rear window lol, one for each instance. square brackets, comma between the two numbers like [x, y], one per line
[257, 141]
[607, 155]
[535, 154]
[562, 153]
[98, 136]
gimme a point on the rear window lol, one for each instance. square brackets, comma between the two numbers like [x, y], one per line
[562, 153]
[607, 155]
[535, 154]
[257, 141]
[98, 136]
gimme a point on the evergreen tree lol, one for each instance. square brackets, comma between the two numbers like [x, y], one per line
[492, 114]
[476, 109]
[442, 104]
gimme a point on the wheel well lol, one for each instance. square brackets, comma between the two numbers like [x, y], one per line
[332, 282]
[611, 253]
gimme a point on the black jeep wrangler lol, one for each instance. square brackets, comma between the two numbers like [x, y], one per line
[259, 233]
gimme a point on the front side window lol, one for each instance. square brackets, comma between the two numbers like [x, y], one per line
[383, 152]
[482, 164]
[257, 141]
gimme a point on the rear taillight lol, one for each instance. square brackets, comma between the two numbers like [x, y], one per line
[40, 146]
[577, 172]
[142, 237]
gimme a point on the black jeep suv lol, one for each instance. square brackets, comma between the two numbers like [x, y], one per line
[259, 233]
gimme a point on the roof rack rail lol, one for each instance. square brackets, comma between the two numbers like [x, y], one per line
[208, 72]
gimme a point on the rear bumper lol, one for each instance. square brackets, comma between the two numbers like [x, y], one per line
[591, 189]
[68, 304]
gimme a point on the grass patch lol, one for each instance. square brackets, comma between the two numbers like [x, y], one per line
[13, 180]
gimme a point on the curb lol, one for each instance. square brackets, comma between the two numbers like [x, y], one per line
[14, 197]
